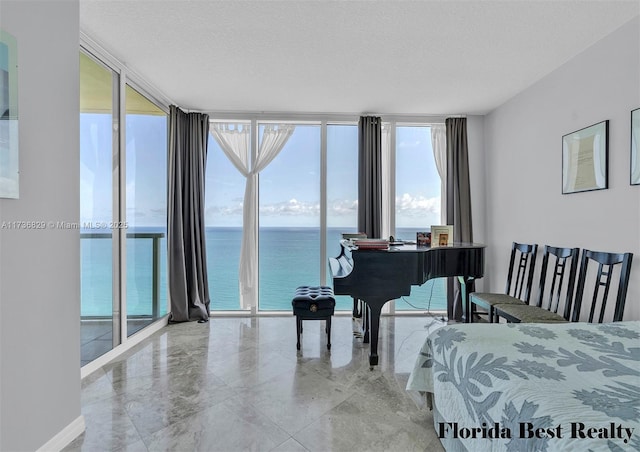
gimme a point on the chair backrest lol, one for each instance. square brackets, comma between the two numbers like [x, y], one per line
[521, 267]
[606, 263]
[562, 285]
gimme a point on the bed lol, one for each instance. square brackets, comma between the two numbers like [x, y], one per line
[533, 387]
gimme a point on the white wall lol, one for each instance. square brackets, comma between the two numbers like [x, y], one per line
[39, 269]
[523, 141]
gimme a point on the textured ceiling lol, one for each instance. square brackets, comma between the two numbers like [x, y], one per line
[385, 57]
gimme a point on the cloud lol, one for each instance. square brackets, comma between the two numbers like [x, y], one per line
[342, 207]
[293, 207]
[228, 210]
[408, 205]
[414, 144]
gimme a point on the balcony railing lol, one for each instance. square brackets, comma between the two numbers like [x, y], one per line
[155, 237]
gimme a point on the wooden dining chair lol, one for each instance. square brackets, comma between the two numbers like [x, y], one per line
[600, 285]
[519, 279]
[556, 288]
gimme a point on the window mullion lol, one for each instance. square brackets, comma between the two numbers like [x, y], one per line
[392, 192]
[254, 157]
[115, 239]
[323, 202]
[121, 211]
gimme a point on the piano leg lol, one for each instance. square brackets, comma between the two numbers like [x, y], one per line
[366, 315]
[374, 314]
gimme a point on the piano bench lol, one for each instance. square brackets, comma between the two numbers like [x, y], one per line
[313, 303]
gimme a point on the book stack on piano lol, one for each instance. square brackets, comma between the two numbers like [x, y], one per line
[371, 244]
[353, 235]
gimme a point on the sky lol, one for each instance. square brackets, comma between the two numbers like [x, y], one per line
[146, 170]
[289, 187]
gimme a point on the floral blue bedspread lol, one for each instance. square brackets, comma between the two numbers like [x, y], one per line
[533, 387]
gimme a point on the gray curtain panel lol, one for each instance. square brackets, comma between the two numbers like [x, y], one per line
[186, 248]
[370, 176]
[458, 200]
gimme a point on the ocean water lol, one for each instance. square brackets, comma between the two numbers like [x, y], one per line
[288, 257]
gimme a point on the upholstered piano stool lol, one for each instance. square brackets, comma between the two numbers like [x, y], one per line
[313, 303]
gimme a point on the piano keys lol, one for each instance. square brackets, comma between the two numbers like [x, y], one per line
[378, 276]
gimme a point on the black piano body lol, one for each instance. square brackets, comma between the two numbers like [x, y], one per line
[378, 276]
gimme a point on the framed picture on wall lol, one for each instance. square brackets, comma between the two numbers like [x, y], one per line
[585, 156]
[8, 116]
[635, 144]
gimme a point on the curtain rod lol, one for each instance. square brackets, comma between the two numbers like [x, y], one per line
[288, 116]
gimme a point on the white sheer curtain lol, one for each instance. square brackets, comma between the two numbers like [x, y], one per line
[234, 139]
[439, 146]
[236, 145]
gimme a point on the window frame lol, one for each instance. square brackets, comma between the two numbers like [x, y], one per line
[325, 120]
[123, 76]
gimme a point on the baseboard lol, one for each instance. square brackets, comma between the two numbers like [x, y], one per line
[65, 436]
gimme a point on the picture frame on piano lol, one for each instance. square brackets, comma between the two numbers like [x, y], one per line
[423, 239]
[441, 235]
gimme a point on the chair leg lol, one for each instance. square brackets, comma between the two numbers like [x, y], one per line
[491, 314]
[298, 331]
[328, 328]
[496, 317]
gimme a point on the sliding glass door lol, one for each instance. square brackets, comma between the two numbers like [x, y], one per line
[146, 212]
[123, 185]
[99, 325]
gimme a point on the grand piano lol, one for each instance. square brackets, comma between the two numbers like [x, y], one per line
[378, 276]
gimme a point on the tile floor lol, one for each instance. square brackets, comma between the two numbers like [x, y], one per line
[239, 384]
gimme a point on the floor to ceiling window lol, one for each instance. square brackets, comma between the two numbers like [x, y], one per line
[224, 194]
[97, 86]
[417, 205]
[342, 192]
[146, 212]
[122, 208]
[289, 218]
[307, 196]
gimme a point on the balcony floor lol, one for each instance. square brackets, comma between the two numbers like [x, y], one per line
[97, 336]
